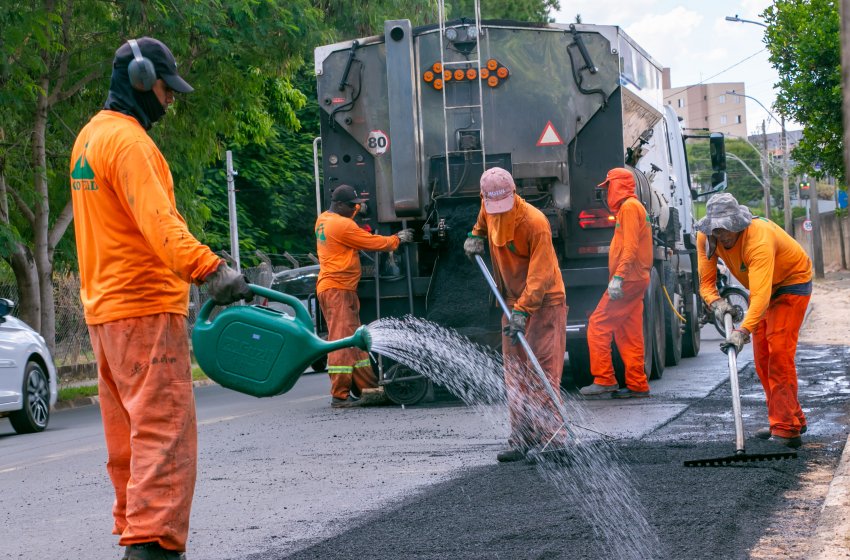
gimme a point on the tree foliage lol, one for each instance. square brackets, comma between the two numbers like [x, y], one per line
[804, 43]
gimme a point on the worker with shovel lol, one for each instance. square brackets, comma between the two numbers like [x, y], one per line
[778, 273]
[137, 259]
[338, 242]
[619, 314]
[529, 278]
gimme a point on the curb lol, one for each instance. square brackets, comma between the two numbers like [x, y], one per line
[832, 536]
[88, 401]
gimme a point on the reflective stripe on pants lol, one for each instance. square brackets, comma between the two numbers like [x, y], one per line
[148, 410]
[349, 368]
[774, 349]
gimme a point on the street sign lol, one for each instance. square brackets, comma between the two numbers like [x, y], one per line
[807, 225]
[842, 199]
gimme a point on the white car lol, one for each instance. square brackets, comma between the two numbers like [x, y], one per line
[27, 374]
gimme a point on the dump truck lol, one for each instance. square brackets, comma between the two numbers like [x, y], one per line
[411, 118]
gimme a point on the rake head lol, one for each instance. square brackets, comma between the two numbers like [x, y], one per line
[741, 458]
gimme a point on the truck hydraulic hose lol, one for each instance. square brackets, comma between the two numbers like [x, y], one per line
[682, 319]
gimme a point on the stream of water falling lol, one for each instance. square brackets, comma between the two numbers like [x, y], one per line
[590, 473]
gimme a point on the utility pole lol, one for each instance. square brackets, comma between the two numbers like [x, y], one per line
[817, 242]
[844, 7]
[766, 166]
[786, 190]
[231, 207]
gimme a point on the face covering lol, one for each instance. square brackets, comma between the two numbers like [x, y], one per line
[141, 105]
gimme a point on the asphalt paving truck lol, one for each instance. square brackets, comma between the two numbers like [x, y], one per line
[412, 117]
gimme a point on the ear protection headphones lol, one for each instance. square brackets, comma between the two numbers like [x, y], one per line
[141, 71]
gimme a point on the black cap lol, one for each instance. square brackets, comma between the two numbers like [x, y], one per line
[162, 59]
[346, 193]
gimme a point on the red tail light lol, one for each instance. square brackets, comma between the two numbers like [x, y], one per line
[596, 218]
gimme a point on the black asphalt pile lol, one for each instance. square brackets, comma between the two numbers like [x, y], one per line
[510, 511]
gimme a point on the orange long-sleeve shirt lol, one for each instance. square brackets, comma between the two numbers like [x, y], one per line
[338, 239]
[763, 259]
[136, 255]
[526, 267]
[630, 255]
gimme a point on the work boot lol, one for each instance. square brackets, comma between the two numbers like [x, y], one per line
[626, 393]
[151, 551]
[792, 442]
[511, 455]
[764, 433]
[551, 454]
[596, 389]
[350, 402]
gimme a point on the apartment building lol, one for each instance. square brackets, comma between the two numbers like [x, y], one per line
[708, 106]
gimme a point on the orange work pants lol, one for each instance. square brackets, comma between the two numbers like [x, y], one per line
[774, 349]
[349, 369]
[534, 417]
[619, 320]
[148, 411]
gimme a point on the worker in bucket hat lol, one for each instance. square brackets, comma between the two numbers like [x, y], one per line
[778, 273]
[527, 273]
[137, 260]
[619, 314]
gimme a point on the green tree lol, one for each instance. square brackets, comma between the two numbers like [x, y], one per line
[54, 67]
[803, 39]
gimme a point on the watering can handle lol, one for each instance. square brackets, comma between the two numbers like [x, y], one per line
[301, 313]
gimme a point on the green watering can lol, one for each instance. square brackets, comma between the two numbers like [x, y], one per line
[260, 351]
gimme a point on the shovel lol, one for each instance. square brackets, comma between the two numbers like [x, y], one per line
[740, 456]
[525, 346]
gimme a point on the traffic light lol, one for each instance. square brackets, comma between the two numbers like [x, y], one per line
[804, 189]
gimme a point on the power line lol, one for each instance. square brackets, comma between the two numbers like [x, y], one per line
[701, 82]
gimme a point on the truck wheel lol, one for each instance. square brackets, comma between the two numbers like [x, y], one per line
[691, 339]
[411, 390]
[647, 325]
[658, 335]
[673, 327]
[579, 363]
[740, 300]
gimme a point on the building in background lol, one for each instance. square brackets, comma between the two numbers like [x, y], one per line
[708, 106]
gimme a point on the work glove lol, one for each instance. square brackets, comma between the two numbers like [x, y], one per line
[473, 246]
[721, 307]
[405, 235]
[735, 340]
[516, 325]
[226, 286]
[615, 288]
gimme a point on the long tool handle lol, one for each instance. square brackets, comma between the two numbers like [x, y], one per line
[736, 391]
[525, 346]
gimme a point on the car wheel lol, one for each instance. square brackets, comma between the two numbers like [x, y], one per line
[35, 414]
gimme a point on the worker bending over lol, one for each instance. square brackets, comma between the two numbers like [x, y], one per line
[778, 273]
[527, 274]
[619, 315]
[338, 242]
[137, 260]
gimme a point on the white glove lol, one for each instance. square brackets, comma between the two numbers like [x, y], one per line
[473, 246]
[405, 235]
[615, 288]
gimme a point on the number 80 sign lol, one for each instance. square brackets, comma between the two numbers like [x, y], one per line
[377, 142]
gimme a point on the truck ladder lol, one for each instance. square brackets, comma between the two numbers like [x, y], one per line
[476, 62]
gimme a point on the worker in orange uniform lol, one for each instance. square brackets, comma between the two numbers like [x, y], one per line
[619, 314]
[338, 240]
[527, 273]
[137, 260]
[778, 273]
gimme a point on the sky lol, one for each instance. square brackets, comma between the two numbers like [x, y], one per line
[695, 41]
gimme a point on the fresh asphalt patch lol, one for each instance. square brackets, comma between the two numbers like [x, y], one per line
[511, 511]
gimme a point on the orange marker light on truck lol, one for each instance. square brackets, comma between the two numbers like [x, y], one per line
[471, 74]
[438, 84]
[502, 72]
[437, 68]
[459, 74]
[492, 64]
[596, 218]
[428, 76]
[447, 75]
[485, 73]
[492, 81]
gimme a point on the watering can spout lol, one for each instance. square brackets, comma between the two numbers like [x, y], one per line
[360, 339]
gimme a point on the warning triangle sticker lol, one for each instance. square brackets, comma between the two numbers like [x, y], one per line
[550, 136]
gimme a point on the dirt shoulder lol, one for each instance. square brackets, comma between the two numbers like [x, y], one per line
[829, 319]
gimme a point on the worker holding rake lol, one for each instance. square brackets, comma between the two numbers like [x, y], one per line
[778, 273]
[529, 279]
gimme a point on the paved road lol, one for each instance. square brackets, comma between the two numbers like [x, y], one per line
[283, 473]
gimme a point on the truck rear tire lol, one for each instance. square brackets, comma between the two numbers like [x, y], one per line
[658, 337]
[691, 339]
[673, 327]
